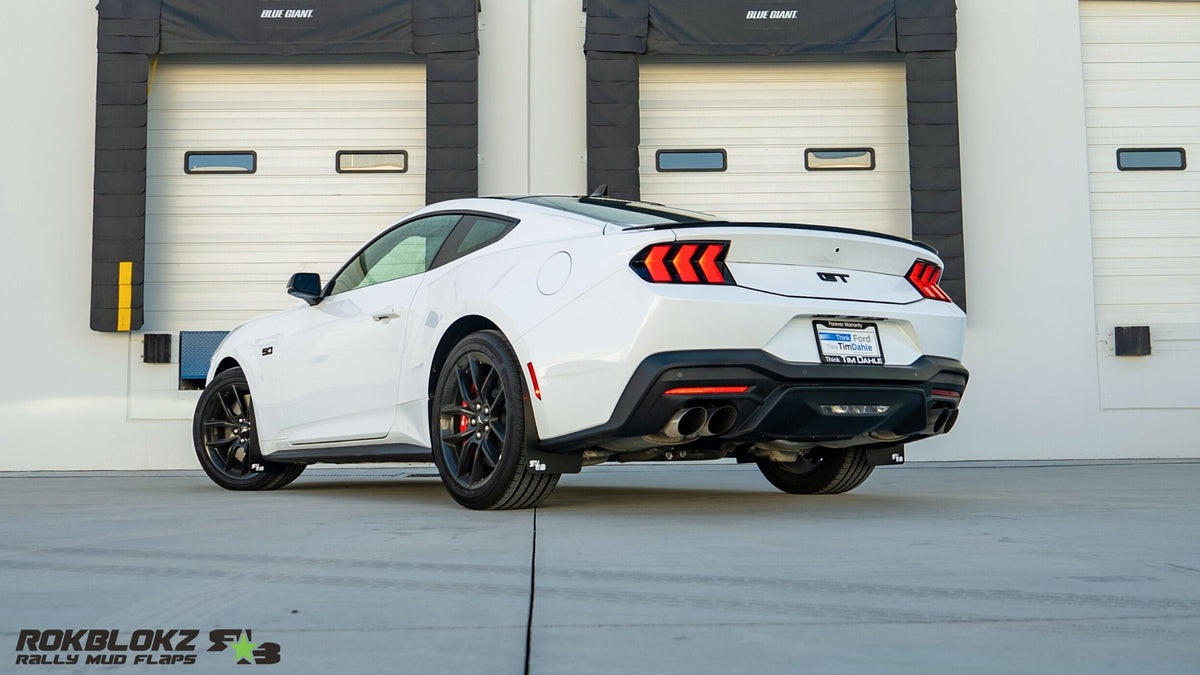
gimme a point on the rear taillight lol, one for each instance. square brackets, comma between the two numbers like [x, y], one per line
[924, 277]
[687, 262]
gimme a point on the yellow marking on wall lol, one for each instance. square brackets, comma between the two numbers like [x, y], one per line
[124, 295]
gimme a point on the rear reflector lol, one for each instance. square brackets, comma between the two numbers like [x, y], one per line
[946, 393]
[700, 391]
[924, 276]
[537, 390]
[688, 262]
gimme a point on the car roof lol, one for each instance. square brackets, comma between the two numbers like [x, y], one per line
[600, 210]
[618, 211]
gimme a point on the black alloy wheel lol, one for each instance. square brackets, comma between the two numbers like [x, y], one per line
[823, 472]
[478, 428]
[226, 439]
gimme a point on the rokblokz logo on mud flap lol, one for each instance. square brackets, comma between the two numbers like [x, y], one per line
[160, 646]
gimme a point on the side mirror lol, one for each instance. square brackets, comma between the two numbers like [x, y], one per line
[306, 286]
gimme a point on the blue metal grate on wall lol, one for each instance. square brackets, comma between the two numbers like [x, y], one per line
[196, 349]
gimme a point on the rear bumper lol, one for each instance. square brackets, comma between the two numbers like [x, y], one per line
[785, 401]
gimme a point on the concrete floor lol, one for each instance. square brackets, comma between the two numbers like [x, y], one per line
[692, 568]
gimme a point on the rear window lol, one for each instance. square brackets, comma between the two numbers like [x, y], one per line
[621, 212]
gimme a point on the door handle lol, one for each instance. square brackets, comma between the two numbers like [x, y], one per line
[386, 314]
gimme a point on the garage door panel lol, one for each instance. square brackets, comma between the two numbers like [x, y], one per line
[772, 73]
[1145, 94]
[1168, 266]
[200, 187]
[784, 163]
[1178, 69]
[1171, 184]
[1145, 200]
[222, 297]
[666, 119]
[276, 161]
[274, 136]
[296, 228]
[1161, 289]
[197, 262]
[804, 135]
[324, 120]
[1107, 224]
[1111, 25]
[1149, 247]
[1165, 133]
[1153, 315]
[260, 204]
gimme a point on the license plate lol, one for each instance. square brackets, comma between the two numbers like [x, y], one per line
[848, 342]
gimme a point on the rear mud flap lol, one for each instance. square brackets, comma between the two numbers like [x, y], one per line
[885, 456]
[554, 462]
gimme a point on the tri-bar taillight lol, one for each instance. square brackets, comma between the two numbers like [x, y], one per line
[924, 276]
[684, 262]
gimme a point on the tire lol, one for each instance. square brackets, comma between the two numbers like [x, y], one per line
[477, 427]
[226, 438]
[828, 472]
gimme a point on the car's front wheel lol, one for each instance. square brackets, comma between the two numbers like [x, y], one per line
[824, 472]
[226, 439]
[478, 428]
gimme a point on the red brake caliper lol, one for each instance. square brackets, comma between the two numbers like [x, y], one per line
[462, 420]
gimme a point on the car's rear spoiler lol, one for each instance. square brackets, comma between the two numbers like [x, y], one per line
[785, 226]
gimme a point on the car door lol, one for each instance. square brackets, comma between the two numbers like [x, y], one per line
[340, 360]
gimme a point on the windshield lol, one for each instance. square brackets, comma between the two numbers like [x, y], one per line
[619, 211]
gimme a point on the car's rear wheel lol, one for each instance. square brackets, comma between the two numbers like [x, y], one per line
[226, 439]
[478, 428]
[824, 472]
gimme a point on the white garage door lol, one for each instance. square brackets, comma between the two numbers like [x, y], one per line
[1142, 85]
[823, 143]
[221, 245]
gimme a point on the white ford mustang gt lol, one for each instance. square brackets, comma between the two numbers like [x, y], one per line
[511, 340]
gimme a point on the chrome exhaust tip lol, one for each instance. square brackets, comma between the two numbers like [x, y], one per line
[686, 422]
[720, 420]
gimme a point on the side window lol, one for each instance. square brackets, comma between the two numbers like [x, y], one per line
[480, 233]
[401, 252]
[472, 234]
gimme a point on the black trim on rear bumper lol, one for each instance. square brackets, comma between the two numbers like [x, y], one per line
[783, 399]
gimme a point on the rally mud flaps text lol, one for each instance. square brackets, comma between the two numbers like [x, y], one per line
[161, 646]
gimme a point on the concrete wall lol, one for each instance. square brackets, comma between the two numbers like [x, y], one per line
[63, 403]
[1031, 341]
[1031, 338]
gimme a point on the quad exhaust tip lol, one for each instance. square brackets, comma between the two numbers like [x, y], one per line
[686, 422]
[690, 423]
[720, 420]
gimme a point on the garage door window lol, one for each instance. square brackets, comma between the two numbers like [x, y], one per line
[220, 162]
[690, 160]
[372, 161]
[1151, 159]
[839, 159]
